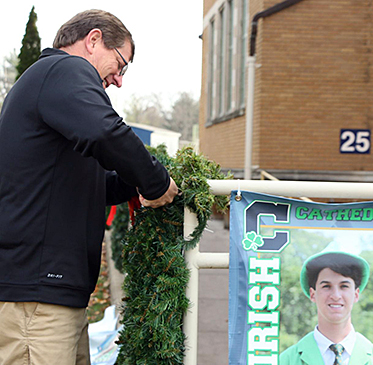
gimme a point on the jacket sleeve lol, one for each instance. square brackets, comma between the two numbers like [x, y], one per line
[117, 191]
[73, 102]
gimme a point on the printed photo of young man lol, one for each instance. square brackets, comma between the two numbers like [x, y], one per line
[334, 281]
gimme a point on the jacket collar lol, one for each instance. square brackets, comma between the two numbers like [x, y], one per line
[310, 354]
[309, 351]
[362, 353]
[52, 52]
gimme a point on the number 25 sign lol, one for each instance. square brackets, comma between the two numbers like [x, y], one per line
[354, 141]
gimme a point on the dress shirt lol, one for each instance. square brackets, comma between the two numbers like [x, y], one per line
[327, 354]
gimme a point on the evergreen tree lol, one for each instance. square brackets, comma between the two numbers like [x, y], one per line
[30, 50]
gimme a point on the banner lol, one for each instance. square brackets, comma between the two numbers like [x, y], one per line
[272, 306]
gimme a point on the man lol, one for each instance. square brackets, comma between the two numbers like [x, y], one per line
[64, 155]
[333, 281]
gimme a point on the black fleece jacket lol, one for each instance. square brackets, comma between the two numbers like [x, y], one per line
[64, 155]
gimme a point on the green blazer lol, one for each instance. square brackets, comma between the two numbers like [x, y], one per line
[307, 352]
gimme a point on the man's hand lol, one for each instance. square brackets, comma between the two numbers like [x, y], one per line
[166, 198]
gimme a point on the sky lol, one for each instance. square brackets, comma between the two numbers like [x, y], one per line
[168, 57]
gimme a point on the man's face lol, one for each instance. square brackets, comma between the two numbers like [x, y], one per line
[108, 62]
[334, 296]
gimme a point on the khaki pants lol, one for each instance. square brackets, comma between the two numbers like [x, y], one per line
[43, 334]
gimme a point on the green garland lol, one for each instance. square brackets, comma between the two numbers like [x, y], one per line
[156, 272]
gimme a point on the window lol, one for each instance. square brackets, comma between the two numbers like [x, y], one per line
[227, 24]
[222, 56]
[211, 70]
[243, 52]
[230, 69]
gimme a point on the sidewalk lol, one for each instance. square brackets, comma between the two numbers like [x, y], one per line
[213, 297]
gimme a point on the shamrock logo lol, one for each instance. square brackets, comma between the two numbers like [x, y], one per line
[252, 241]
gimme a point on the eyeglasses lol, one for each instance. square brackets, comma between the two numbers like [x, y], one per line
[125, 67]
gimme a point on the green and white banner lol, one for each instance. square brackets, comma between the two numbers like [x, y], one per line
[270, 239]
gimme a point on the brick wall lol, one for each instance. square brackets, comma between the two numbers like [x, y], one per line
[314, 79]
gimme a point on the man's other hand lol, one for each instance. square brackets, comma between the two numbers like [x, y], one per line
[166, 198]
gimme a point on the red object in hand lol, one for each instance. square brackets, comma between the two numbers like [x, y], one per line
[133, 204]
[111, 215]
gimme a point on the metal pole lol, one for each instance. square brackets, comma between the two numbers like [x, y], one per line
[212, 260]
[190, 325]
[196, 260]
[313, 189]
[249, 117]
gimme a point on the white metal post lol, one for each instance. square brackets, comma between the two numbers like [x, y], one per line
[190, 325]
[311, 189]
[196, 260]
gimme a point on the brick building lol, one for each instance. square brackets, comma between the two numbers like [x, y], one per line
[313, 92]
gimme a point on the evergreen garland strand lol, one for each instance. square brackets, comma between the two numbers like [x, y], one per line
[156, 272]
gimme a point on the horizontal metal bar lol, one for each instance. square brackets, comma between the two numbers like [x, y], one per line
[312, 189]
[212, 260]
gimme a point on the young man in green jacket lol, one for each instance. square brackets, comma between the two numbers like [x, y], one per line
[333, 281]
